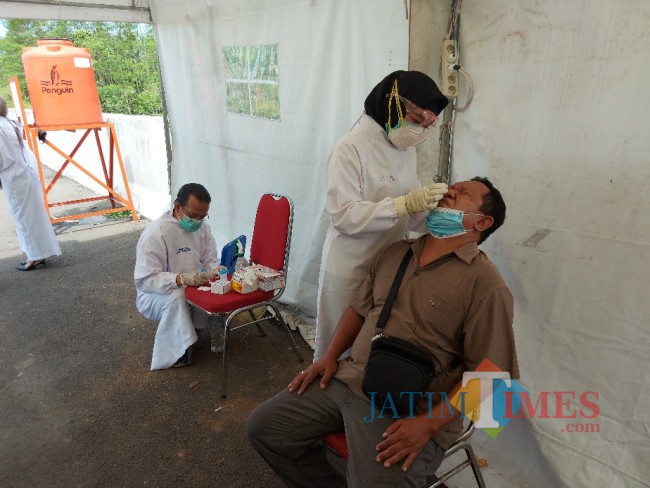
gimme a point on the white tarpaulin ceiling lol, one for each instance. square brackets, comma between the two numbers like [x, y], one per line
[94, 10]
[558, 122]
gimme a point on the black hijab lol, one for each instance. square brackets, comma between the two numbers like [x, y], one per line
[412, 85]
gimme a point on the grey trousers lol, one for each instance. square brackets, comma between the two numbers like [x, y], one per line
[287, 431]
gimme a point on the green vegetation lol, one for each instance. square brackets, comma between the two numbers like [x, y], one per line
[118, 215]
[124, 58]
[252, 80]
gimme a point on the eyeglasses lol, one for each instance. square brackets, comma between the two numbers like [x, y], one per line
[420, 116]
[194, 216]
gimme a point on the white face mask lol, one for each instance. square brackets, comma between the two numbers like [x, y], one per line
[405, 134]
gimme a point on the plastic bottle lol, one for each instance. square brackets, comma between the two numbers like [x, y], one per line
[223, 273]
[241, 263]
[217, 334]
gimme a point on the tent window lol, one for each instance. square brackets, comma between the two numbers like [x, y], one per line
[252, 80]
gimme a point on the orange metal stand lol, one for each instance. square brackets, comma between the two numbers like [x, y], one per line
[114, 151]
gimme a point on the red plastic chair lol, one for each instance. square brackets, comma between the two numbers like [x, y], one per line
[337, 442]
[270, 247]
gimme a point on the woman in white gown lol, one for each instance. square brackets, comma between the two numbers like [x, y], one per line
[373, 193]
[22, 189]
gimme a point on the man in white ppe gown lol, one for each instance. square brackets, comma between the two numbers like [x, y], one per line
[373, 193]
[175, 250]
[24, 196]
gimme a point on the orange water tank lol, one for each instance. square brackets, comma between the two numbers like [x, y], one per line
[61, 84]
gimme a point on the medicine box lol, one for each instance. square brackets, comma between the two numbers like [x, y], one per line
[240, 285]
[220, 287]
[269, 279]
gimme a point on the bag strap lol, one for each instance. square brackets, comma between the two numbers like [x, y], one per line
[452, 365]
[388, 305]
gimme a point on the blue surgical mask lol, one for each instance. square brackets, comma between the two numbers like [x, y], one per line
[190, 225]
[444, 223]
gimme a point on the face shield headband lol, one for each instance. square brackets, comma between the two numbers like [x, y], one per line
[408, 133]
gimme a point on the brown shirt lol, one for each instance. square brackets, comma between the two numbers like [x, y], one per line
[455, 307]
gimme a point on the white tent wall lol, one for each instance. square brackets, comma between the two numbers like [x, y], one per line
[429, 20]
[559, 123]
[330, 55]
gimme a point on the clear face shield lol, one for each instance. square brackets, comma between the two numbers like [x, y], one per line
[412, 128]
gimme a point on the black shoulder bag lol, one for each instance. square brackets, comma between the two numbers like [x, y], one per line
[396, 367]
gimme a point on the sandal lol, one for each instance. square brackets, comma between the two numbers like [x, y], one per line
[32, 265]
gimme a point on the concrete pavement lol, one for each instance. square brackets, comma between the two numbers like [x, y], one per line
[78, 404]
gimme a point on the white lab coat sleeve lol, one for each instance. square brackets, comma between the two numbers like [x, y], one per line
[352, 214]
[151, 275]
[209, 257]
[417, 222]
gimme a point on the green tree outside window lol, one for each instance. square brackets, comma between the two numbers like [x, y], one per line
[252, 82]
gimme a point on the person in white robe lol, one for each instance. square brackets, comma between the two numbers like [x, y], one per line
[175, 251]
[373, 194]
[24, 196]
